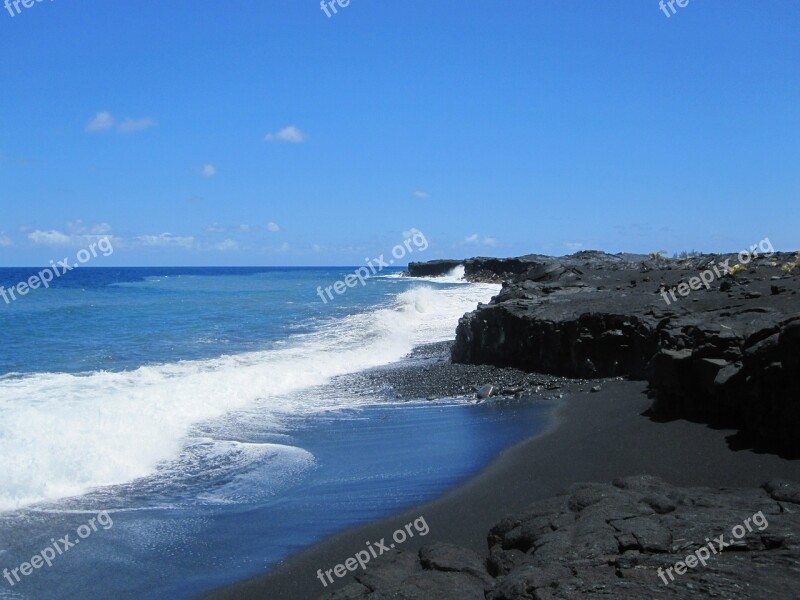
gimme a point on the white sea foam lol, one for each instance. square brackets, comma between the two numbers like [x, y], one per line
[62, 434]
[454, 275]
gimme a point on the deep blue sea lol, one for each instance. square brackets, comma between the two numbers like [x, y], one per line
[210, 412]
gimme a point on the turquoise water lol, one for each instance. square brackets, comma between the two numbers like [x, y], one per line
[213, 414]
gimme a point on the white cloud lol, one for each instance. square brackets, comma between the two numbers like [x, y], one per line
[5, 241]
[244, 227]
[215, 228]
[284, 247]
[573, 245]
[316, 248]
[49, 238]
[422, 194]
[130, 125]
[165, 239]
[76, 226]
[227, 245]
[477, 240]
[287, 134]
[102, 121]
[273, 227]
[100, 229]
[209, 170]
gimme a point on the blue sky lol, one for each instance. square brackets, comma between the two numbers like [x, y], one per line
[266, 133]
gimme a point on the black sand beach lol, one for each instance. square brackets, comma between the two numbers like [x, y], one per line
[721, 368]
[599, 437]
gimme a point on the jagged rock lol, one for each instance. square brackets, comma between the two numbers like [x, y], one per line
[393, 568]
[728, 362]
[352, 591]
[433, 268]
[486, 391]
[783, 491]
[448, 557]
[537, 267]
[434, 584]
[621, 540]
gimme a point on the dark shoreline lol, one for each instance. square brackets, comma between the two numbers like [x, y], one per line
[596, 438]
[699, 393]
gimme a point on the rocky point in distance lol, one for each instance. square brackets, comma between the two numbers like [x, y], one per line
[728, 355]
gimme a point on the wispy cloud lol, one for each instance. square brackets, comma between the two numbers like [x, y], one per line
[227, 246]
[273, 227]
[130, 125]
[102, 121]
[77, 233]
[105, 121]
[288, 134]
[5, 241]
[573, 245]
[165, 239]
[75, 226]
[209, 170]
[79, 227]
[477, 240]
[422, 194]
[50, 238]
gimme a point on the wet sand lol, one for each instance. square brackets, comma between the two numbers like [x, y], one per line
[596, 437]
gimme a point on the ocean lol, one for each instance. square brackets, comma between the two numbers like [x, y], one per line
[208, 413]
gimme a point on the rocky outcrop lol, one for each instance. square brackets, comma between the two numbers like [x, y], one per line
[475, 269]
[726, 354]
[490, 269]
[750, 382]
[591, 344]
[498, 269]
[433, 268]
[636, 538]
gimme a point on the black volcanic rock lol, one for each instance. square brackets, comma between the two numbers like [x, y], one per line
[727, 355]
[434, 268]
[749, 381]
[496, 269]
[534, 267]
[614, 541]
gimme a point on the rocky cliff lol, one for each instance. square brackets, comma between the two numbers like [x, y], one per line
[716, 343]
